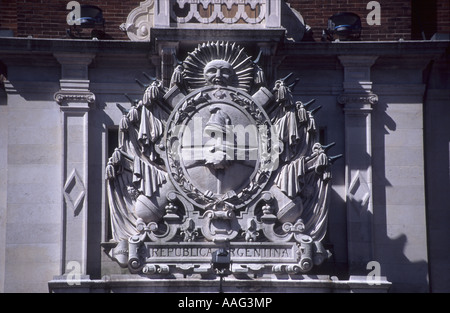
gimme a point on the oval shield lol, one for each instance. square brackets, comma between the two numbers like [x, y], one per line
[217, 142]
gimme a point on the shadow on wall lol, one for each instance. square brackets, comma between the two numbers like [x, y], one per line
[394, 240]
[405, 275]
[391, 241]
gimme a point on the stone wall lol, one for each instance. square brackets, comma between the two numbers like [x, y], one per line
[30, 179]
[384, 104]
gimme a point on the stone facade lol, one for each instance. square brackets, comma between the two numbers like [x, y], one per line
[384, 105]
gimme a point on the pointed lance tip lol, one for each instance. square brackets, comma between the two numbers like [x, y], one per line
[329, 146]
[287, 77]
[292, 86]
[133, 102]
[122, 109]
[335, 158]
[256, 61]
[307, 104]
[141, 83]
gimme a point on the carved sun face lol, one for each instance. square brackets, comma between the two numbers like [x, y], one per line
[218, 72]
[218, 64]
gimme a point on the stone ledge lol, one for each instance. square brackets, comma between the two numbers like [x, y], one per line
[111, 47]
[298, 284]
[239, 35]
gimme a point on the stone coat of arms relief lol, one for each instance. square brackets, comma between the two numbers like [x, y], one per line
[219, 160]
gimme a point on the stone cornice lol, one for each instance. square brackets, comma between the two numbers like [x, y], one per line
[381, 48]
[35, 46]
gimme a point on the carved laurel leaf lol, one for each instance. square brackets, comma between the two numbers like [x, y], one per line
[176, 117]
[175, 177]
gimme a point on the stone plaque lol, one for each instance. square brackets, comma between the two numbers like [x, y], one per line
[218, 161]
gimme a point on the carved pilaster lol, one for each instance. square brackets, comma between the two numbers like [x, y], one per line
[156, 62]
[358, 100]
[167, 52]
[75, 100]
[74, 82]
[268, 61]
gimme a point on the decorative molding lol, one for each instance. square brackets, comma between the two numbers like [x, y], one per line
[347, 98]
[76, 96]
[140, 21]
[162, 14]
[74, 90]
[258, 7]
[74, 192]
